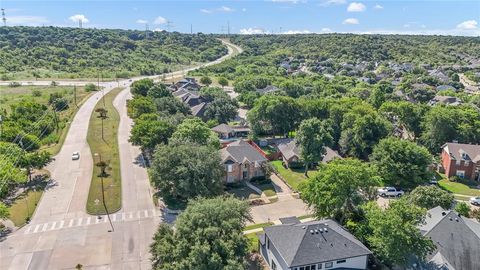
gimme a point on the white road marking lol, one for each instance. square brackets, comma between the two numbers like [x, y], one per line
[123, 216]
[36, 228]
[138, 214]
[114, 218]
[53, 226]
[88, 221]
[146, 213]
[61, 224]
[71, 223]
[44, 228]
[27, 231]
[131, 215]
[97, 220]
[79, 222]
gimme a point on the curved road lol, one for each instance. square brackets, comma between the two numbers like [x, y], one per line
[61, 235]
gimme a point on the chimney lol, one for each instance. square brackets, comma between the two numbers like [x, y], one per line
[443, 213]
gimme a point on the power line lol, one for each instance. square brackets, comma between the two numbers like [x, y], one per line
[4, 19]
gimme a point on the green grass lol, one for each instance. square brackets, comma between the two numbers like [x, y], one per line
[293, 176]
[258, 225]
[24, 207]
[107, 148]
[252, 242]
[458, 188]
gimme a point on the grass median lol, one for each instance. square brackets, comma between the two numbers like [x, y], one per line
[107, 150]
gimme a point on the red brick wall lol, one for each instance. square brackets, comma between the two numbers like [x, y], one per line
[451, 166]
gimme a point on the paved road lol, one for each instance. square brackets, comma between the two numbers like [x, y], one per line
[61, 234]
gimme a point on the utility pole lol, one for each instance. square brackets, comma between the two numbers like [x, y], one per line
[169, 25]
[55, 116]
[3, 17]
[228, 28]
[191, 29]
[146, 31]
[80, 23]
[75, 94]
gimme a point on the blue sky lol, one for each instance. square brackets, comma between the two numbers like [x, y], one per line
[256, 16]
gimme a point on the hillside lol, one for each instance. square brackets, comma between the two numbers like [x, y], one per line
[56, 52]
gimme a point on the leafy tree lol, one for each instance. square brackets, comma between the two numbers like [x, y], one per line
[313, 136]
[221, 109]
[431, 196]
[185, 171]
[393, 233]
[159, 90]
[249, 98]
[171, 105]
[148, 133]
[35, 160]
[194, 130]
[212, 93]
[362, 128]
[4, 212]
[141, 87]
[140, 105]
[274, 115]
[408, 114]
[223, 81]
[90, 87]
[339, 188]
[208, 235]
[463, 209]
[205, 80]
[401, 162]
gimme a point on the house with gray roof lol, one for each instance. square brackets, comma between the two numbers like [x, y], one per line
[242, 161]
[291, 155]
[457, 241]
[312, 245]
[226, 132]
[462, 160]
[446, 100]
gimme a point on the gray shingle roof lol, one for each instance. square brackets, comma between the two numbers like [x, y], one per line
[239, 151]
[290, 149]
[457, 239]
[223, 128]
[299, 246]
[460, 151]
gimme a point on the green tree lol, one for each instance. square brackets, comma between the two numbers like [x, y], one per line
[140, 105]
[205, 80]
[401, 162]
[408, 114]
[208, 235]
[186, 171]
[223, 81]
[313, 136]
[221, 109]
[339, 188]
[171, 105]
[393, 234]
[90, 87]
[159, 90]
[148, 133]
[463, 209]
[194, 130]
[431, 196]
[141, 87]
[4, 212]
[35, 160]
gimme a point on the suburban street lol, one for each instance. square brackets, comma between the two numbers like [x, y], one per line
[61, 234]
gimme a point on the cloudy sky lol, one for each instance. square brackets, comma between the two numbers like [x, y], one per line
[255, 16]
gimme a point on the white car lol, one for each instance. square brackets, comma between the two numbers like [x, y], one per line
[475, 200]
[390, 192]
[76, 156]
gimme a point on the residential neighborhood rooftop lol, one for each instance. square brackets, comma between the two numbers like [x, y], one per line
[241, 150]
[461, 151]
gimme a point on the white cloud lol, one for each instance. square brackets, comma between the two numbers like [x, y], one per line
[158, 30]
[79, 18]
[356, 7]
[160, 20]
[332, 2]
[141, 21]
[252, 31]
[326, 29]
[468, 25]
[377, 6]
[27, 20]
[294, 32]
[351, 21]
[222, 9]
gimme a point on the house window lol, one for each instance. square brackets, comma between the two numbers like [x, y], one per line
[302, 268]
[329, 265]
[461, 174]
[319, 266]
[229, 168]
[341, 261]
[458, 162]
[466, 163]
[274, 266]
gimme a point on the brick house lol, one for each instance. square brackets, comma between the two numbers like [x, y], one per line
[291, 156]
[462, 160]
[242, 162]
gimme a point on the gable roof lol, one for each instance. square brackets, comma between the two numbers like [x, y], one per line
[289, 149]
[199, 110]
[457, 239]
[240, 151]
[314, 242]
[461, 151]
[223, 128]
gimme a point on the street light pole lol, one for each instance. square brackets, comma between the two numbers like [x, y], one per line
[103, 193]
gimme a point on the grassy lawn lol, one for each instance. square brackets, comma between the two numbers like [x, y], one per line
[241, 191]
[24, 207]
[40, 94]
[107, 148]
[258, 225]
[252, 242]
[458, 188]
[293, 176]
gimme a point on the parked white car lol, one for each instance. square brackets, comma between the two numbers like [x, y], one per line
[475, 200]
[390, 192]
[76, 156]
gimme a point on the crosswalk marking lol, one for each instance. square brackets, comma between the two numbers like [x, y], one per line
[91, 220]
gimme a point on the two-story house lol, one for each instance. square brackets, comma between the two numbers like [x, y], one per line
[312, 245]
[242, 162]
[462, 160]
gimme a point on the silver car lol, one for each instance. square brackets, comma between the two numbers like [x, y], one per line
[76, 156]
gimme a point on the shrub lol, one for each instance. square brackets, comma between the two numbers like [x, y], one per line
[90, 87]
[463, 209]
[36, 93]
[14, 84]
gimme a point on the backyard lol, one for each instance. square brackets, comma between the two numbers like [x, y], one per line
[293, 176]
[459, 188]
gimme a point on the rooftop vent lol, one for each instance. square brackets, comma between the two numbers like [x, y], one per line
[303, 227]
[321, 230]
[444, 213]
[311, 231]
[456, 219]
[325, 229]
[450, 218]
[316, 231]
